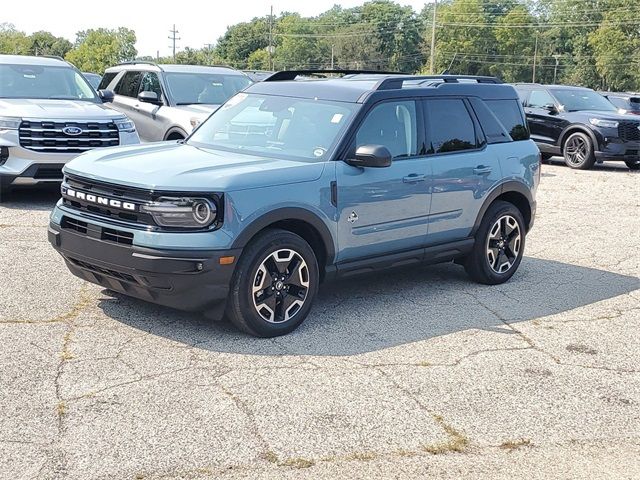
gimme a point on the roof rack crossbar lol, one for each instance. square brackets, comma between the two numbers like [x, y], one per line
[292, 74]
[397, 82]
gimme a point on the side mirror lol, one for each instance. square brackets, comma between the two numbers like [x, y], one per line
[375, 156]
[106, 95]
[551, 108]
[149, 97]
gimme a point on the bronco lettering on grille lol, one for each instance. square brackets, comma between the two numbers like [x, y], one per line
[98, 200]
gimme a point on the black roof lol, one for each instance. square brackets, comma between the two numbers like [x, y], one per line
[359, 87]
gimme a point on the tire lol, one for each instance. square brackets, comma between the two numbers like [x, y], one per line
[264, 307]
[633, 164]
[578, 151]
[499, 221]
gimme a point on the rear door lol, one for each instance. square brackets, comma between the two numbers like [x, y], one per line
[463, 169]
[385, 210]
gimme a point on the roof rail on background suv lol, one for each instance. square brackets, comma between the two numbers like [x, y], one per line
[292, 74]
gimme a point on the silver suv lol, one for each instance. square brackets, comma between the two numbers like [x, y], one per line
[166, 102]
[49, 114]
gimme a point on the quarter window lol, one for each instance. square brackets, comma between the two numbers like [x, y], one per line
[450, 126]
[540, 98]
[392, 124]
[510, 115]
[128, 85]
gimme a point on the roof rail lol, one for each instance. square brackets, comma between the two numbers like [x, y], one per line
[55, 57]
[292, 74]
[393, 83]
[134, 62]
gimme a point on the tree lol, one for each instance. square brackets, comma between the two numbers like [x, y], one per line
[514, 45]
[12, 41]
[98, 49]
[241, 40]
[298, 46]
[45, 43]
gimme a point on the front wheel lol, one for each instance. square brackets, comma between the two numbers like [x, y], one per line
[499, 245]
[274, 284]
[633, 164]
[578, 151]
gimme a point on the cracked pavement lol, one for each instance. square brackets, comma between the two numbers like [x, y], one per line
[411, 374]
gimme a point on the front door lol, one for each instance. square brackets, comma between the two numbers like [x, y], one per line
[545, 126]
[149, 127]
[385, 210]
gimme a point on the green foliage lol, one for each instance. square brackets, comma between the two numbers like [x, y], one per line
[98, 49]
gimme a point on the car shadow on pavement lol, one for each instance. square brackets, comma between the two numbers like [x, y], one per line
[41, 198]
[375, 312]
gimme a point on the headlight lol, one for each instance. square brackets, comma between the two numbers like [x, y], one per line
[9, 123]
[125, 125]
[603, 123]
[182, 212]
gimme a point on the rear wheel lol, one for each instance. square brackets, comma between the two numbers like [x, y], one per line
[499, 245]
[578, 151]
[274, 284]
[633, 164]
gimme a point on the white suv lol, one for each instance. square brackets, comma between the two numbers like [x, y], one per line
[166, 102]
[50, 114]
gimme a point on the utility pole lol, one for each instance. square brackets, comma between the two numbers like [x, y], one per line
[535, 55]
[433, 38]
[173, 39]
[555, 69]
[270, 48]
[331, 57]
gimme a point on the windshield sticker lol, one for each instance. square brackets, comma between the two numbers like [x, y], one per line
[337, 118]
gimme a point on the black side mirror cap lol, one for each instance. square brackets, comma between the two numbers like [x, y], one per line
[374, 156]
[106, 95]
[149, 97]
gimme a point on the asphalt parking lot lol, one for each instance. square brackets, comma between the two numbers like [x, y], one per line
[411, 374]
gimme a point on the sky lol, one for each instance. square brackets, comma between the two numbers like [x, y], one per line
[198, 22]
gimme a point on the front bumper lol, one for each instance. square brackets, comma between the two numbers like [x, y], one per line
[186, 280]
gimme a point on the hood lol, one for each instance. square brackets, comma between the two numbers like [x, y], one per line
[587, 114]
[56, 109]
[182, 167]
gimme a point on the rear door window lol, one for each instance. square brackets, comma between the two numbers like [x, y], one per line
[450, 127]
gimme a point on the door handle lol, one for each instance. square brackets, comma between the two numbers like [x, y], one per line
[414, 178]
[482, 170]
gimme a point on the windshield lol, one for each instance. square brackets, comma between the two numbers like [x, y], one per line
[576, 100]
[281, 127]
[44, 82]
[206, 88]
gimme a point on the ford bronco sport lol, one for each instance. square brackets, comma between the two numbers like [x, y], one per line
[50, 114]
[292, 182]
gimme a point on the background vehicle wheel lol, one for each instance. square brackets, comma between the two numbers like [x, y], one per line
[633, 164]
[499, 245]
[274, 285]
[578, 151]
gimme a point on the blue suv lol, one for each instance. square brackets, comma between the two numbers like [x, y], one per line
[299, 180]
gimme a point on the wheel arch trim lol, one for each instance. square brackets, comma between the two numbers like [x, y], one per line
[506, 187]
[289, 214]
[577, 127]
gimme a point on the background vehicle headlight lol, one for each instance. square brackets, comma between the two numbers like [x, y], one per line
[598, 122]
[125, 125]
[182, 212]
[9, 123]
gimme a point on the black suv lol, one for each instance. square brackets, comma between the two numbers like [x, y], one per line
[579, 124]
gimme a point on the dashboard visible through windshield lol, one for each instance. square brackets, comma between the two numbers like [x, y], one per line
[281, 127]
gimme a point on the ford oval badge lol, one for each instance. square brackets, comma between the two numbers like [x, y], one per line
[73, 131]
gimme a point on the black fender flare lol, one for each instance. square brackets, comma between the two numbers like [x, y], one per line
[175, 130]
[577, 127]
[506, 187]
[289, 213]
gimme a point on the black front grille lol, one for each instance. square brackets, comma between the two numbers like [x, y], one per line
[629, 131]
[51, 137]
[117, 236]
[48, 173]
[73, 224]
[104, 271]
